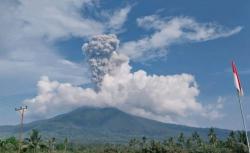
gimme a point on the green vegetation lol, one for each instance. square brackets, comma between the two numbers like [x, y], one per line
[234, 143]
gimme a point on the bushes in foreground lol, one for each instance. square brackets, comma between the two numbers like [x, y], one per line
[234, 143]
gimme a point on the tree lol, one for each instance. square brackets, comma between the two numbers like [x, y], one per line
[181, 140]
[196, 139]
[212, 137]
[65, 144]
[241, 142]
[34, 142]
[52, 142]
[11, 143]
[231, 141]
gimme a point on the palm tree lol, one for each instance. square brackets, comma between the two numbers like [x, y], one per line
[52, 142]
[196, 139]
[242, 137]
[242, 142]
[231, 140]
[65, 144]
[212, 136]
[181, 140]
[2, 145]
[34, 142]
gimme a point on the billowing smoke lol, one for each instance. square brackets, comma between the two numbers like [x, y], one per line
[102, 57]
[169, 98]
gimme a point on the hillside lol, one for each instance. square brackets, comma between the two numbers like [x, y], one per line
[97, 125]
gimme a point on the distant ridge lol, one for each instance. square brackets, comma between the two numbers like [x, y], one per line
[99, 125]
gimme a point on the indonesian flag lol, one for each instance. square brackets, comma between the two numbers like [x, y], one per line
[237, 80]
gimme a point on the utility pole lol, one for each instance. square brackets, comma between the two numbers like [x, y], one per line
[21, 110]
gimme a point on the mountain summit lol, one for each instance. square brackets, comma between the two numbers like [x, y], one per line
[88, 125]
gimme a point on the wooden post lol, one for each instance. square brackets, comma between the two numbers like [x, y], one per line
[21, 110]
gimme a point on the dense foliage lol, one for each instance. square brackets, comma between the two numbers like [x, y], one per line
[234, 143]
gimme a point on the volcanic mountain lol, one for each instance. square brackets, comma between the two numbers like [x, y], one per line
[102, 125]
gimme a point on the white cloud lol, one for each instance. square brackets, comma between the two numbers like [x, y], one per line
[213, 110]
[164, 98]
[28, 33]
[170, 98]
[118, 18]
[51, 19]
[28, 30]
[171, 31]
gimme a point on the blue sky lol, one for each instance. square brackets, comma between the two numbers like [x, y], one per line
[46, 40]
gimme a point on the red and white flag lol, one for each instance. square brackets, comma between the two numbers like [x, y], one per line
[237, 80]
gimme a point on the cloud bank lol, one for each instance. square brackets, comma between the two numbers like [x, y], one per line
[170, 98]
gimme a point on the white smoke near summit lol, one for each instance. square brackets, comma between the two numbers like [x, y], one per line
[170, 98]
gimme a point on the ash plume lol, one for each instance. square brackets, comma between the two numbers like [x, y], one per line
[102, 57]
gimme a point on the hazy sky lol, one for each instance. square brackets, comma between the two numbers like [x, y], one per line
[174, 58]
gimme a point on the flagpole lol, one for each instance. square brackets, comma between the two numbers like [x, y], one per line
[244, 122]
